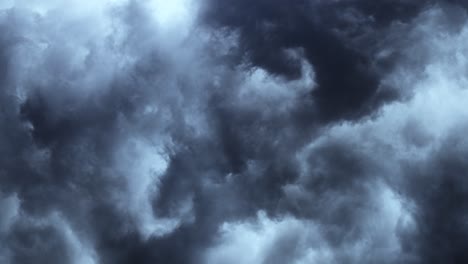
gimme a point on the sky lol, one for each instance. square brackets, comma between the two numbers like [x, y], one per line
[233, 131]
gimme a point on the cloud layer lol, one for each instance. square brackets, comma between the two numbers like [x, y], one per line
[233, 131]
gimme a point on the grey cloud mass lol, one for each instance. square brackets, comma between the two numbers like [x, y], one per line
[218, 132]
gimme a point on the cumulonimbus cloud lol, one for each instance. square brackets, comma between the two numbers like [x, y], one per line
[233, 131]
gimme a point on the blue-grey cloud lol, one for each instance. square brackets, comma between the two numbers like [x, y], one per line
[233, 131]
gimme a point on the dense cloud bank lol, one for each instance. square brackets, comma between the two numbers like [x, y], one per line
[234, 131]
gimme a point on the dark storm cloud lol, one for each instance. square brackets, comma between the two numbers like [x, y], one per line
[58, 145]
[345, 41]
[340, 39]
[37, 244]
[228, 142]
[345, 177]
[437, 187]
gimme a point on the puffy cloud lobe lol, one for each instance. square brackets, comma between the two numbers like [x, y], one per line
[259, 133]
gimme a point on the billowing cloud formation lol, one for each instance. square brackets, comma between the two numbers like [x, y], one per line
[233, 131]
